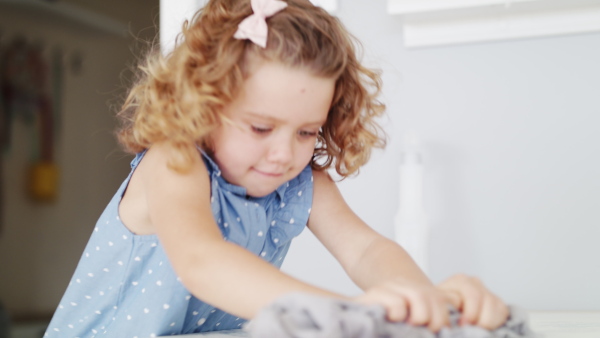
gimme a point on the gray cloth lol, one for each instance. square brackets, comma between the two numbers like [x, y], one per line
[301, 315]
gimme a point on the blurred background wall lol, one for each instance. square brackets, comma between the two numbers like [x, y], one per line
[41, 242]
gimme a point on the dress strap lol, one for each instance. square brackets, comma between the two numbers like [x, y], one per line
[138, 157]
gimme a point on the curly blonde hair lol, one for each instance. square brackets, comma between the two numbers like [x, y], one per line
[179, 98]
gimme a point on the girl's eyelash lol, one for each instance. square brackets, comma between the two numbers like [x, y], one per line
[308, 133]
[260, 130]
[264, 130]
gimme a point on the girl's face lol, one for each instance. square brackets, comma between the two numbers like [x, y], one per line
[274, 124]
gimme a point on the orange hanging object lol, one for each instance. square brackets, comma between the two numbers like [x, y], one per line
[43, 181]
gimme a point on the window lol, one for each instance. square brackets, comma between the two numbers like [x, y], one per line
[439, 22]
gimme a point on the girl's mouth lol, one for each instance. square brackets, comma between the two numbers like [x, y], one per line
[269, 174]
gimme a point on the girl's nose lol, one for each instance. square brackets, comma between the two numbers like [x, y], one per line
[281, 150]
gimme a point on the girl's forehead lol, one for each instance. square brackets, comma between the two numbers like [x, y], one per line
[261, 70]
[282, 92]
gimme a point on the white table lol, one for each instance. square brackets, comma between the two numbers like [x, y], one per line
[566, 324]
[550, 324]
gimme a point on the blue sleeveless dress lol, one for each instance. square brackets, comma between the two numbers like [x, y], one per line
[124, 285]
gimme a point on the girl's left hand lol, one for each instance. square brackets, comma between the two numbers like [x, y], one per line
[478, 305]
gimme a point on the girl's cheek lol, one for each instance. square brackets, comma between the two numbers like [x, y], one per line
[308, 153]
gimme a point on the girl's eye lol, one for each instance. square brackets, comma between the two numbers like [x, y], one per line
[306, 133]
[260, 130]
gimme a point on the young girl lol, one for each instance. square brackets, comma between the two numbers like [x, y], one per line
[233, 132]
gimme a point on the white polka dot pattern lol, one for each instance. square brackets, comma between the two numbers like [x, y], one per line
[125, 287]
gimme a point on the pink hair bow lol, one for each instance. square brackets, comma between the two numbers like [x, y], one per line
[254, 27]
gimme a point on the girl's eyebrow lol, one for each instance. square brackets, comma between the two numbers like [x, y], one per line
[276, 120]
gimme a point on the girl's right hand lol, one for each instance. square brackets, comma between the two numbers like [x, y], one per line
[409, 301]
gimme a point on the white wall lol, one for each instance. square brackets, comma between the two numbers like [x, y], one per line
[510, 135]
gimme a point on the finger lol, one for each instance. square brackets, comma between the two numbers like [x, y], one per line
[472, 302]
[493, 313]
[397, 310]
[453, 298]
[453, 288]
[419, 308]
[395, 305]
[439, 315]
[414, 311]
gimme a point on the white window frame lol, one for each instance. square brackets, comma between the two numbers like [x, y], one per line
[443, 22]
[328, 5]
[173, 14]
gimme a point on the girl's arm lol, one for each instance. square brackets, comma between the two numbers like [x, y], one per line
[388, 274]
[218, 272]
[365, 255]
